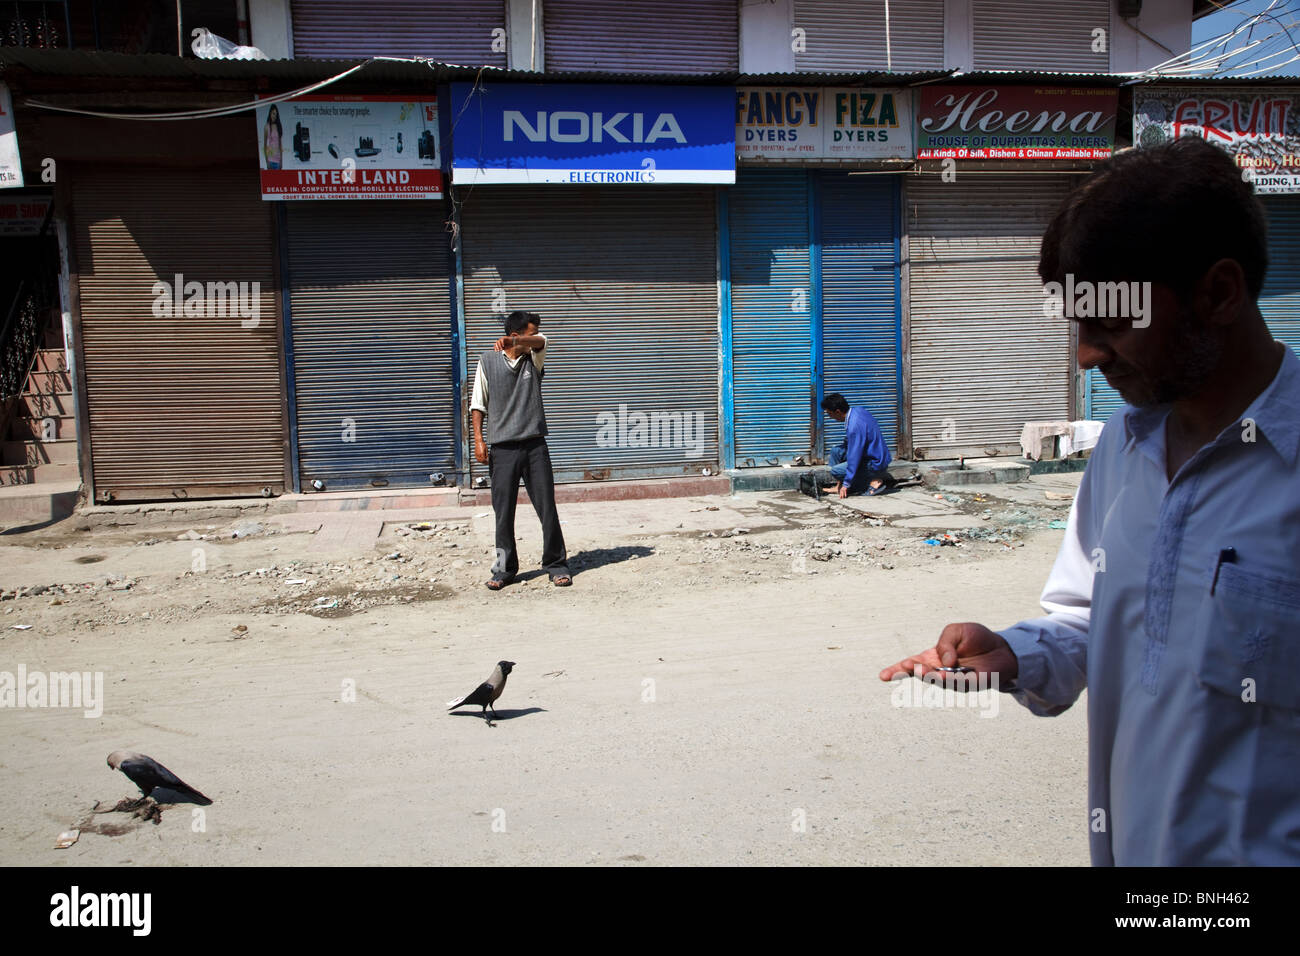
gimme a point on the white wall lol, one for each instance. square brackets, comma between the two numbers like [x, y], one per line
[1167, 21]
[958, 35]
[271, 28]
[765, 35]
[765, 41]
[519, 20]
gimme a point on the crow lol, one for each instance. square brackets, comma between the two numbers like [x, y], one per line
[485, 694]
[148, 774]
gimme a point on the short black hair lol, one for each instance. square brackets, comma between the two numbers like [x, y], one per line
[517, 321]
[1163, 214]
[835, 402]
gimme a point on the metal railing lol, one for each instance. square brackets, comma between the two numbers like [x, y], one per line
[34, 294]
[45, 24]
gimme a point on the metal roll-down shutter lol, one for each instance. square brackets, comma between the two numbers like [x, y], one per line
[372, 343]
[179, 406]
[1280, 300]
[625, 280]
[985, 358]
[860, 291]
[846, 36]
[1031, 35]
[772, 310]
[642, 36]
[451, 31]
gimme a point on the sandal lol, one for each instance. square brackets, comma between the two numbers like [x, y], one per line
[496, 584]
[563, 581]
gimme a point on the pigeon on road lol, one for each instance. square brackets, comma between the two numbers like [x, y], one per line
[148, 774]
[486, 694]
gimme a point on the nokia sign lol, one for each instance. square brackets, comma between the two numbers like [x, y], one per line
[568, 126]
[579, 133]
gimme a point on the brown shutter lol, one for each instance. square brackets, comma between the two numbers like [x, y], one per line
[178, 406]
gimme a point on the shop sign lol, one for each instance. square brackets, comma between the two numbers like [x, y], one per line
[592, 134]
[23, 215]
[1015, 122]
[801, 123]
[1259, 128]
[11, 166]
[350, 147]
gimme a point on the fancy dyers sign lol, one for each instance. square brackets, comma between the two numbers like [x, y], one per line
[781, 123]
[1015, 122]
[1259, 129]
[585, 134]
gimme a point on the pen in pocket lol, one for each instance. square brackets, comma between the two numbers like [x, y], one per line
[1226, 556]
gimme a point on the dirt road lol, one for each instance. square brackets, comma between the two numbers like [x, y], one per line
[705, 693]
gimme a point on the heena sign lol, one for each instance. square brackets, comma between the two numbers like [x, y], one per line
[1015, 122]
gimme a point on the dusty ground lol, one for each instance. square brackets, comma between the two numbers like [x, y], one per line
[707, 686]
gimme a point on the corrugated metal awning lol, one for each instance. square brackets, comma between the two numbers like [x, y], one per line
[417, 70]
[401, 70]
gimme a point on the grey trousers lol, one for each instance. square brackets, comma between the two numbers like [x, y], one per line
[530, 460]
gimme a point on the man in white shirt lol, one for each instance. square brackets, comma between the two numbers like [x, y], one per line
[508, 399]
[1176, 594]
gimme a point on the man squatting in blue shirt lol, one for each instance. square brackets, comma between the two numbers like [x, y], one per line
[1175, 597]
[859, 462]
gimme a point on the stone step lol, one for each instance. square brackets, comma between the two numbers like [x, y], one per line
[37, 503]
[630, 490]
[33, 474]
[48, 383]
[50, 360]
[981, 472]
[26, 427]
[37, 453]
[38, 405]
[777, 478]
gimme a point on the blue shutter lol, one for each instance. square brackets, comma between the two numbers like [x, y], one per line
[371, 341]
[772, 306]
[1280, 300]
[860, 286]
[1103, 401]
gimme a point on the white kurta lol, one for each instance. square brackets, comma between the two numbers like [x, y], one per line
[1193, 681]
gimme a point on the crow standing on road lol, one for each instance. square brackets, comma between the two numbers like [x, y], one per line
[485, 694]
[148, 774]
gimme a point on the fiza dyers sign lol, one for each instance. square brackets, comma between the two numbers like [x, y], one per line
[1259, 129]
[811, 123]
[581, 133]
[1015, 122]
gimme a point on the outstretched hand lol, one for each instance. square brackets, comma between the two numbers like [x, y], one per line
[967, 645]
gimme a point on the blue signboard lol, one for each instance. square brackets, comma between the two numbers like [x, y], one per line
[586, 134]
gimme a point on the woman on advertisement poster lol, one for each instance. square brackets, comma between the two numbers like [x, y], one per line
[272, 138]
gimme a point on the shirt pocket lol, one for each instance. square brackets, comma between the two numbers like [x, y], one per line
[1250, 634]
